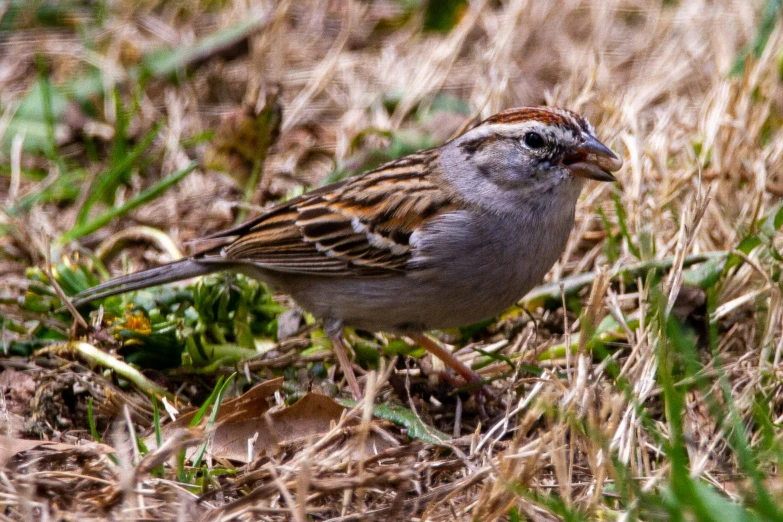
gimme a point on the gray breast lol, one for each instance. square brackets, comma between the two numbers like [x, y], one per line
[467, 268]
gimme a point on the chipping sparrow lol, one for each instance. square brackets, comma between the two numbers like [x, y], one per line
[441, 238]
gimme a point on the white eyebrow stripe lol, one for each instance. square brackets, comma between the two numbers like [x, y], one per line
[556, 132]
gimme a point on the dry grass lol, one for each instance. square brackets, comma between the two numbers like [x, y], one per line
[704, 163]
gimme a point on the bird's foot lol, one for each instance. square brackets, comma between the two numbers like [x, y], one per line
[481, 392]
[345, 364]
[469, 378]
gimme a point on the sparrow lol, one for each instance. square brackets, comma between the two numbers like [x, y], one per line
[441, 238]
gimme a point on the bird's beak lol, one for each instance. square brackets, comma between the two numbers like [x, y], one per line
[592, 159]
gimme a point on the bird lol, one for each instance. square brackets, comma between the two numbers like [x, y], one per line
[441, 238]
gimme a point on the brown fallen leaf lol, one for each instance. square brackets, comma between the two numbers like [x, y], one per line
[17, 388]
[311, 415]
[247, 418]
[12, 423]
[251, 404]
[12, 446]
[20, 387]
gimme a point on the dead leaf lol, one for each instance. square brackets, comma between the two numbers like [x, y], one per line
[20, 386]
[12, 423]
[313, 414]
[247, 418]
[251, 404]
[12, 446]
[17, 388]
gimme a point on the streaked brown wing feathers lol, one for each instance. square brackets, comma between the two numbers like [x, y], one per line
[362, 226]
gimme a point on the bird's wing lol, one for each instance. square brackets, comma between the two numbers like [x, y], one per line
[361, 226]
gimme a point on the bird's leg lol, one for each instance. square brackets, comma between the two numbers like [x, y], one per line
[345, 364]
[462, 369]
[436, 349]
[334, 329]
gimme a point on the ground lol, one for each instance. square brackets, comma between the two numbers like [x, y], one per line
[640, 381]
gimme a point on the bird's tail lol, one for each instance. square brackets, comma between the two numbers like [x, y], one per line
[168, 273]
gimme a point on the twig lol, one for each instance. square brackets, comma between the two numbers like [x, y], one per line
[122, 369]
[161, 240]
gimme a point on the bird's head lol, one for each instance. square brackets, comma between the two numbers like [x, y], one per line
[530, 156]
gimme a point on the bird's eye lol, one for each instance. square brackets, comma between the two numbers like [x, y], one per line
[533, 140]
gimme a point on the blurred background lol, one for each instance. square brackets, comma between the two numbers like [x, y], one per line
[128, 129]
[83, 84]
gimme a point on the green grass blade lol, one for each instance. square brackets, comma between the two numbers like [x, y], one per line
[403, 417]
[148, 195]
[110, 178]
[221, 390]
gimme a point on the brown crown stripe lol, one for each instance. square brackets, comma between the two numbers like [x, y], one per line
[540, 114]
